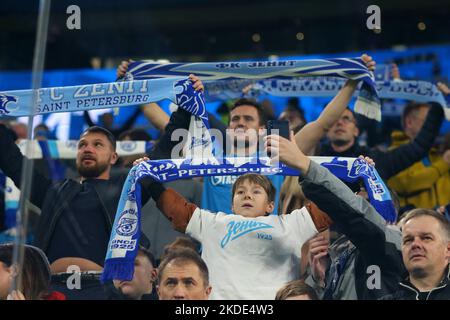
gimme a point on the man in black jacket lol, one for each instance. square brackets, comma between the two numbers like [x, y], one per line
[426, 253]
[77, 216]
[343, 142]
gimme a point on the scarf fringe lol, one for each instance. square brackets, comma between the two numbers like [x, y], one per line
[118, 270]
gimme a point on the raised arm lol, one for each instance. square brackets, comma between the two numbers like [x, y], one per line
[311, 134]
[392, 162]
[173, 205]
[88, 119]
[155, 115]
[180, 119]
[288, 152]
[356, 218]
[130, 121]
[11, 162]
[152, 111]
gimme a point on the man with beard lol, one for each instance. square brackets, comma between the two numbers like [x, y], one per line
[77, 216]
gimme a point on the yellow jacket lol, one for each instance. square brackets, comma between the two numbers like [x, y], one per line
[426, 184]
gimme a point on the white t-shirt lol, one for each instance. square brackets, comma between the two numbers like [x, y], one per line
[250, 258]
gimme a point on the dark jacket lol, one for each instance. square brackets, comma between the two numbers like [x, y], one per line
[407, 291]
[369, 242]
[52, 198]
[391, 162]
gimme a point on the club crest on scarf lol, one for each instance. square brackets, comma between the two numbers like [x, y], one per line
[4, 101]
[119, 264]
[349, 68]
[127, 225]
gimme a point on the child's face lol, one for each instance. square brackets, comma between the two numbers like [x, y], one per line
[251, 200]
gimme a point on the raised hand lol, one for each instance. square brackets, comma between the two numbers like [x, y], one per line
[443, 88]
[137, 161]
[368, 160]
[318, 258]
[286, 151]
[395, 72]
[370, 63]
[123, 68]
[196, 83]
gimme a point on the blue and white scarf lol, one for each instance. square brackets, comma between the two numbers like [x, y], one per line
[103, 95]
[367, 103]
[57, 149]
[123, 244]
[420, 91]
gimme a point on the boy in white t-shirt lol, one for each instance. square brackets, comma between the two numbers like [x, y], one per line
[251, 253]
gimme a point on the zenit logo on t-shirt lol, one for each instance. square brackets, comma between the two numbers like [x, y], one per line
[238, 229]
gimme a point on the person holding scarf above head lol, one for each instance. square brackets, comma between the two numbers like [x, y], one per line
[343, 142]
[246, 124]
[77, 215]
[264, 248]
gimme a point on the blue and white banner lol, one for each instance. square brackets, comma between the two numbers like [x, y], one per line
[349, 68]
[58, 149]
[123, 243]
[420, 91]
[367, 103]
[102, 96]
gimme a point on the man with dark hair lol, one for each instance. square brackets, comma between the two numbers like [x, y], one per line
[247, 122]
[183, 275]
[426, 253]
[77, 215]
[425, 183]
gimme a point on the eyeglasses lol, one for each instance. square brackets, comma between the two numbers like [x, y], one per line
[347, 119]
